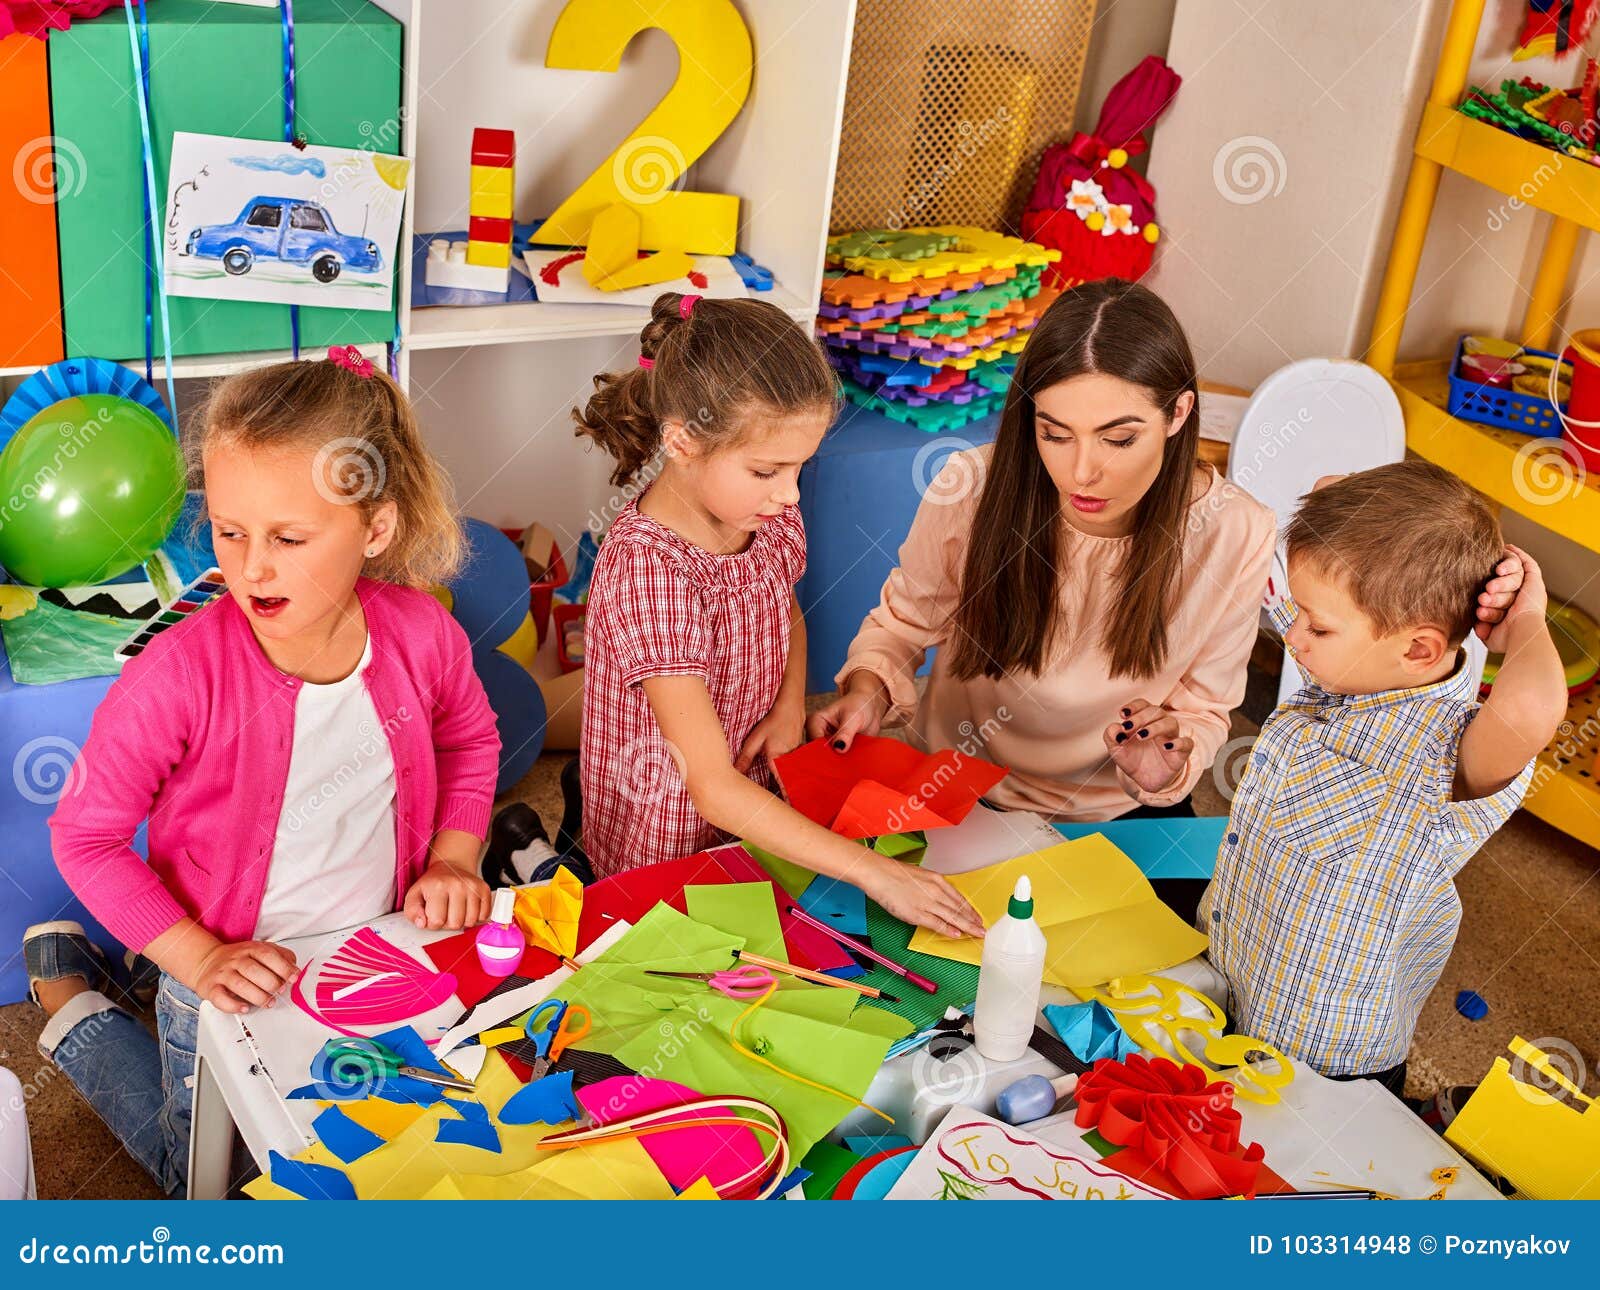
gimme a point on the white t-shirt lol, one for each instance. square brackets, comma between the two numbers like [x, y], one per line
[333, 860]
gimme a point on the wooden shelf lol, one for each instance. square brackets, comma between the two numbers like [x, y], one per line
[1536, 176]
[1565, 793]
[1487, 458]
[458, 326]
[209, 365]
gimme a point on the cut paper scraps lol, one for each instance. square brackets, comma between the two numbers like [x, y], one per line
[1090, 1030]
[343, 1136]
[310, 1181]
[1162, 1016]
[1530, 1123]
[1175, 1120]
[1100, 917]
[548, 914]
[745, 909]
[883, 786]
[369, 982]
[717, 1156]
[973, 1157]
[470, 1127]
[548, 1100]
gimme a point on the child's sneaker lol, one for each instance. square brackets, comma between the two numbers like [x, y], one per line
[144, 978]
[518, 845]
[54, 951]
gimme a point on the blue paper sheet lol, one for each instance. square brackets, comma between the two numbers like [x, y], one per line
[343, 1136]
[1174, 847]
[471, 1127]
[1090, 1030]
[840, 905]
[544, 1101]
[313, 1182]
[873, 1144]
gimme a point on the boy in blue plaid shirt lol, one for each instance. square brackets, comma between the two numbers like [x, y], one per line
[1333, 907]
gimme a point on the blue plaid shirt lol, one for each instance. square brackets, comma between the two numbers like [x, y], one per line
[1333, 907]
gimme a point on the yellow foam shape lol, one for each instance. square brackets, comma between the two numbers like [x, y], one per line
[1547, 1147]
[1100, 917]
[663, 266]
[548, 915]
[496, 255]
[1153, 1009]
[524, 643]
[979, 249]
[491, 191]
[612, 261]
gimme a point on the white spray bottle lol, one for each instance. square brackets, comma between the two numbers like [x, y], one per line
[1009, 977]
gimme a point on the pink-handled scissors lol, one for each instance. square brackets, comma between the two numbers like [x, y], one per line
[747, 981]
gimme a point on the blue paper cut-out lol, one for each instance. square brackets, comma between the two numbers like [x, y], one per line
[471, 1128]
[343, 1136]
[1090, 1030]
[313, 1182]
[544, 1101]
[838, 904]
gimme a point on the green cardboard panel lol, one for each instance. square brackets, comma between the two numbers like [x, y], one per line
[214, 69]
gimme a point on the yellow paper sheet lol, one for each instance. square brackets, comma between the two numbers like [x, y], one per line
[387, 1119]
[548, 915]
[699, 1189]
[1545, 1145]
[618, 1170]
[501, 1035]
[1100, 917]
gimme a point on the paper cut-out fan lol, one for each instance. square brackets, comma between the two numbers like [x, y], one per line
[368, 982]
[548, 915]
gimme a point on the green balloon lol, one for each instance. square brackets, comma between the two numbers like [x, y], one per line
[88, 488]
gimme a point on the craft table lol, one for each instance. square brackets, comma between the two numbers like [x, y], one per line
[1322, 1134]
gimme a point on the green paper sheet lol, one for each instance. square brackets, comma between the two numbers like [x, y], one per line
[793, 878]
[743, 909]
[910, 847]
[957, 981]
[679, 1030]
[828, 1164]
[49, 644]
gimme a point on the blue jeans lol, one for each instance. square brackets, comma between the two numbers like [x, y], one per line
[141, 1086]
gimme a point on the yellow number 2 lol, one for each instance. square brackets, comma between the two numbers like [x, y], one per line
[713, 82]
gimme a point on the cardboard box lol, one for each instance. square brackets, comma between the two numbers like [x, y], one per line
[214, 69]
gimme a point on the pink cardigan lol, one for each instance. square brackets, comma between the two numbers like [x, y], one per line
[195, 735]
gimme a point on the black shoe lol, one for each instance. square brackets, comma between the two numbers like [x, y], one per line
[571, 830]
[514, 829]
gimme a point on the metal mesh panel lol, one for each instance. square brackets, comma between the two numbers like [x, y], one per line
[949, 105]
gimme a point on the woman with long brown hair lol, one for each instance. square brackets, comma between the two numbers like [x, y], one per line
[1093, 590]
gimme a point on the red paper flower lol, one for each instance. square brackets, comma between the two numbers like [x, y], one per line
[41, 17]
[1171, 1116]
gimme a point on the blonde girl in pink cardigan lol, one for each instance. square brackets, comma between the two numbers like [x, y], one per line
[308, 752]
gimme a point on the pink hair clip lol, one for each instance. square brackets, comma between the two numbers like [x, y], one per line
[351, 359]
[646, 362]
[686, 306]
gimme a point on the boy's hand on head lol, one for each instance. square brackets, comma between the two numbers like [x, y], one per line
[447, 896]
[1516, 590]
[250, 974]
[781, 730]
[1147, 746]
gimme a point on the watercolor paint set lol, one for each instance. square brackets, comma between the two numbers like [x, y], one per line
[199, 593]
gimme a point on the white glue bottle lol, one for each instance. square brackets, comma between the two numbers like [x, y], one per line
[1009, 977]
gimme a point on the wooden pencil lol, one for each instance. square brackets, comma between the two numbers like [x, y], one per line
[806, 974]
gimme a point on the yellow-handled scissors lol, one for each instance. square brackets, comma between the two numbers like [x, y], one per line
[552, 1026]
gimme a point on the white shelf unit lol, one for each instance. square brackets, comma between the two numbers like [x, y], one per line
[494, 383]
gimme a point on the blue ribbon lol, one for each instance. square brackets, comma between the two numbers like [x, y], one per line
[154, 284]
[286, 16]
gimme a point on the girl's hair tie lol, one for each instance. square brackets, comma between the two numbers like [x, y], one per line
[351, 359]
[686, 306]
[646, 362]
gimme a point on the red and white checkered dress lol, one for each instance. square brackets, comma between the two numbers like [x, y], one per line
[660, 606]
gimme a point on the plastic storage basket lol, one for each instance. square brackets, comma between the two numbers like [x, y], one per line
[1490, 405]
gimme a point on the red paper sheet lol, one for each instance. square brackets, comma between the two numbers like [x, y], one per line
[883, 786]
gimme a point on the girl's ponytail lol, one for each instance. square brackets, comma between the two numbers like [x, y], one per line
[702, 363]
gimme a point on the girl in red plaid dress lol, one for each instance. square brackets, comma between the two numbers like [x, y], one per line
[694, 673]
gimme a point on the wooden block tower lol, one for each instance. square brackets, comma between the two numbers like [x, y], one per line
[483, 262]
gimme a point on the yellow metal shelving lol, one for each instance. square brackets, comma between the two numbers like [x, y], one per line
[1506, 466]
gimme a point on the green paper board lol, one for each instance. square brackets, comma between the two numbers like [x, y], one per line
[743, 909]
[214, 69]
[49, 644]
[793, 878]
[828, 1164]
[679, 1030]
[958, 982]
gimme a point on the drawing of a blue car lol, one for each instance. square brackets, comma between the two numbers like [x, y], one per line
[287, 230]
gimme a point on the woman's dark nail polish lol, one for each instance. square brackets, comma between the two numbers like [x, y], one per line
[1143, 734]
[1127, 712]
[1120, 738]
[1127, 725]
[838, 745]
[1167, 746]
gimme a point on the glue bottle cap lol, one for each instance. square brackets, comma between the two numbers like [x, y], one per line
[1021, 905]
[505, 901]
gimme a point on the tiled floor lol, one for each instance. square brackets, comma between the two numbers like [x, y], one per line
[1528, 944]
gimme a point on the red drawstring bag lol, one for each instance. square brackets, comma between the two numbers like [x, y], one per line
[1086, 203]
